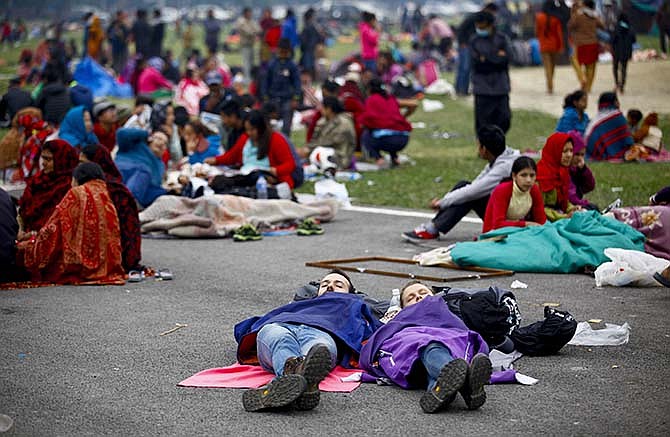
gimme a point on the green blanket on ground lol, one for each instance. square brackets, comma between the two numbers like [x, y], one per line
[564, 246]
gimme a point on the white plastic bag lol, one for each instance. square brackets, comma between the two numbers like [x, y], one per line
[629, 267]
[432, 105]
[611, 335]
[326, 188]
[440, 87]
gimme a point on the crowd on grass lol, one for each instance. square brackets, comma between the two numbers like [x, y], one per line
[89, 167]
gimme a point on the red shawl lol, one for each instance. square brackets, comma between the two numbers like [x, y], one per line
[550, 173]
[36, 131]
[126, 208]
[80, 243]
[45, 190]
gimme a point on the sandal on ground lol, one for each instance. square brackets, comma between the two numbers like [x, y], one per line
[164, 275]
[309, 227]
[135, 276]
[247, 232]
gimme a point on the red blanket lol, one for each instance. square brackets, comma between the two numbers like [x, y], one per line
[243, 376]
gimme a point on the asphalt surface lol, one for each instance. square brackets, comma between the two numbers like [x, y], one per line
[90, 360]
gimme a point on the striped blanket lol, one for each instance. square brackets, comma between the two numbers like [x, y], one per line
[608, 136]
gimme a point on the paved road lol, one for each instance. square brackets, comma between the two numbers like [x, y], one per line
[89, 360]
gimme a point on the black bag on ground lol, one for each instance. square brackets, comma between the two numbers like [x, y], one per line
[492, 312]
[547, 336]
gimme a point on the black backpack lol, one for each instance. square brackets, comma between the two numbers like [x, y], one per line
[547, 336]
[491, 312]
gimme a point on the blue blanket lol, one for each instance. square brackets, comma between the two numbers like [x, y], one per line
[345, 316]
[564, 246]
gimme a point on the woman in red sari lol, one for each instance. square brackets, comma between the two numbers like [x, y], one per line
[80, 242]
[126, 206]
[47, 187]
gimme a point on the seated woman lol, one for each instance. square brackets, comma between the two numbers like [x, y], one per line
[259, 151]
[581, 178]
[387, 69]
[426, 345]
[334, 130]
[46, 188]
[198, 146]
[387, 129]
[149, 80]
[517, 202]
[574, 113]
[607, 135]
[190, 90]
[124, 202]
[139, 161]
[36, 131]
[80, 243]
[553, 176]
[77, 128]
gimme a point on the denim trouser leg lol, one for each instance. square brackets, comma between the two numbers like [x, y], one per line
[389, 143]
[463, 72]
[434, 357]
[277, 342]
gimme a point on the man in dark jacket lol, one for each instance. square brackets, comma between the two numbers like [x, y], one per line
[14, 100]
[282, 85]
[54, 99]
[490, 51]
[302, 341]
[463, 35]
[141, 32]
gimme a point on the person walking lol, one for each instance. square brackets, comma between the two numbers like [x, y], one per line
[622, 50]
[663, 21]
[582, 27]
[117, 34]
[248, 30]
[212, 29]
[549, 32]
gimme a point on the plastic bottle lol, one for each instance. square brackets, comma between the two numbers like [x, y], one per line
[261, 187]
[395, 300]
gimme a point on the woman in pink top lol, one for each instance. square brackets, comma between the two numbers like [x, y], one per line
[369, 40]
[149, 79]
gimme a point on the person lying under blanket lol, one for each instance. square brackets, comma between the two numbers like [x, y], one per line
[426, 345]
[302, 341]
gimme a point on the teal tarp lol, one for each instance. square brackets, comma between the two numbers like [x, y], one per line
[564, 246]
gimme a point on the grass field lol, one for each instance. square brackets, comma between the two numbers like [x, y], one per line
[440, 161]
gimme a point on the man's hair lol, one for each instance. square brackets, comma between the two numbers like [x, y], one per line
[405, 287]
[331, 86]
[181, 116]
[492, 138]
[87, 171]
[334, 104]
[232, 107]
[485, 17]
[607, 98]
[490, 7]
[352, 289]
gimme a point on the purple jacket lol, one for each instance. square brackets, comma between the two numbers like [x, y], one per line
[581, 182]
[392, 354]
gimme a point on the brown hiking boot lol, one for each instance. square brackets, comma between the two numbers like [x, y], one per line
[314, 367]
[280, 392]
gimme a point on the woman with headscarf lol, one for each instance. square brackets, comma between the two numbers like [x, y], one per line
[549, 32]
[553, 176]
[47, 187]
[139, 161]
[36, 131]
[77, 128]
[80, 243]
[124, 202]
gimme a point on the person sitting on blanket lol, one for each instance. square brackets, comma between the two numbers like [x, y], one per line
[574, 113]
[516, 202]
[426, 345]
[466, 196]
[581, 177]
[81, 242]
[607, 135]
[553, 176]
[302, 341]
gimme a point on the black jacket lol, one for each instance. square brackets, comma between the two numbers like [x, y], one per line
[54, 101]
[490, 68]
[15, 100]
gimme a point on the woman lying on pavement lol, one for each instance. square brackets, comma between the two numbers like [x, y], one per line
[426, 345]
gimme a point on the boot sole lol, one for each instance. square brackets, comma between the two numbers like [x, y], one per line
[452, 377]
[316, 367]
[478, 376]
[282, 391]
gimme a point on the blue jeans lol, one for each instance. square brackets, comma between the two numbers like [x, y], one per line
[463, 72]
[277, 342]
[389, 143]
[434, 357]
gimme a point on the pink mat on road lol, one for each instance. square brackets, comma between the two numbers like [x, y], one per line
[243, 376]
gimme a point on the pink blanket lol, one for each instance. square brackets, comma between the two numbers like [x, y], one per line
[243, 376]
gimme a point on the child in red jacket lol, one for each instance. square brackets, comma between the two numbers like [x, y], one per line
[517, 202]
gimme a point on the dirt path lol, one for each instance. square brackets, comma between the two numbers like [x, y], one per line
[647, 88]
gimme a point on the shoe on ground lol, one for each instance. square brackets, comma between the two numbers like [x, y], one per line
[452, 378]
[247, 232]
[662, 279]
[314, 367]
[280, 392]
[309, 227]
[419, 235]
[479, 374]
[614, 205]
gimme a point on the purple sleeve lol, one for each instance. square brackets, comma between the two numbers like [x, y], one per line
[573, 197]
[588, 181]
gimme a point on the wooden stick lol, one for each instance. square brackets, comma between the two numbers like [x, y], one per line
[177, 327]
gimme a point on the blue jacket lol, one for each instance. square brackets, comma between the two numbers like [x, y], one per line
[570, 121]
[73, 131]
[289, 30]
[282, 81]
[141, 170]
[344, 316]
